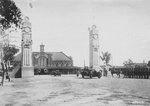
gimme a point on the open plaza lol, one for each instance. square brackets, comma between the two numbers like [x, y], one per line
[70, 90]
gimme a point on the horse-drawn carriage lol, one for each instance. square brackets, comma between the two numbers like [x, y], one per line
[90, 72]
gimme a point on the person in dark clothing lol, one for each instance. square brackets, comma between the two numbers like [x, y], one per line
[7, 77]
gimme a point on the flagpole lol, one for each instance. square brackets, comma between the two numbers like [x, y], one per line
[84, 63]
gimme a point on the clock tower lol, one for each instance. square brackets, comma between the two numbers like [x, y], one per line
[94, 49]
[27, 68]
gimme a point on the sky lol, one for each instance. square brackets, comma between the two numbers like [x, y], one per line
[62, 25]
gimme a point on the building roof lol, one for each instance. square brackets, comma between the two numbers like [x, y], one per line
[140, 64]
[56, 56]
[18, 57]
[133, 65]
[59, 56]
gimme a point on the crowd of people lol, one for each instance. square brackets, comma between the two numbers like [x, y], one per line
[136, 72]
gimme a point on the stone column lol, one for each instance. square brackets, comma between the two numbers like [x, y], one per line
[1, 44]
[27, 67]
[94, 49]
[1, 53]
[90, 51]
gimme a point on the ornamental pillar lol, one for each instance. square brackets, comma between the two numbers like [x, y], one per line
[27, 67]
[94, 49]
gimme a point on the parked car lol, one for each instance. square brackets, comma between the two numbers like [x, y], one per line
[90, 72]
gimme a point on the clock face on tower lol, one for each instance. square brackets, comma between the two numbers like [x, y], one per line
[95, 36]
[27, 29]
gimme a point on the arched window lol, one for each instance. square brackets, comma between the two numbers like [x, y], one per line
[66, 64]
[42, 61]
[59, 64]
[62, 64]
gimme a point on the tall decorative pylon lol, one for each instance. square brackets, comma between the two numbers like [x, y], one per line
[1, 53]
[27, 67]
[1, 44]
[94, 49]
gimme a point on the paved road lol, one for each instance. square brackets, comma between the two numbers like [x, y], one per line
[68, 90]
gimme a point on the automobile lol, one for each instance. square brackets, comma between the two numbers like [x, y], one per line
[90, 72]
[56, 73]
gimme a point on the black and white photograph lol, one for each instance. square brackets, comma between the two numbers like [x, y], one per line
[74, 53]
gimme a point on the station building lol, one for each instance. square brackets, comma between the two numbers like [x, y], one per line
[49, 61]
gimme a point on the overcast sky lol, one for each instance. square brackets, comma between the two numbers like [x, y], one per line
[62, 25]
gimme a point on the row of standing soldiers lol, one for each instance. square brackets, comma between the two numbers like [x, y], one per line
[136, 72]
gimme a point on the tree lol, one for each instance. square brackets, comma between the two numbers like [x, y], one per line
[9, 52]
[128, 63]
[106, 57]
[10, 14]
[10, 17]
[148, 63]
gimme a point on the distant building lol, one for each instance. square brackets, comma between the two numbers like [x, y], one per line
[51, 60]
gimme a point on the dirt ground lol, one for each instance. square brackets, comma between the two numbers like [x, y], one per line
[69, 90]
